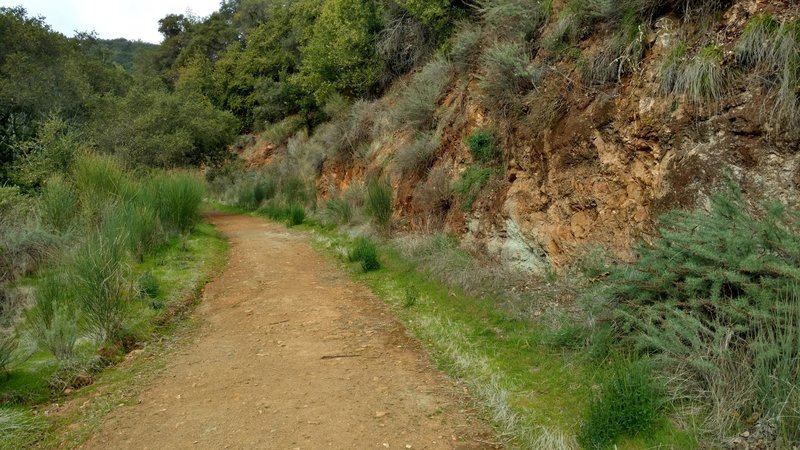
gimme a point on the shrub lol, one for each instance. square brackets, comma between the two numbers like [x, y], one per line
[465, 45]
[360, 249]
[135, 227]
[404, 40]
[53, 319]
[279, 132]
[297, 215]
[99, 278]
[23, 248]
[338, 211]
[421, 98]
[703, 79]
[58, 204]
[470, 185]
[97, 178]
[507, 74]
[435, 195]
[366, 252]
[417, 155]
[378, 203]
[629, 403]
[514, 19]
[177, 197]
[482, 143]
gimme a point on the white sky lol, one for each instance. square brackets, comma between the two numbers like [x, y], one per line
[110, 19]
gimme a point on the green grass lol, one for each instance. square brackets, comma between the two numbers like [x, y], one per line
[482, 144]
[532, 394]
[470, 184]
[183, 266]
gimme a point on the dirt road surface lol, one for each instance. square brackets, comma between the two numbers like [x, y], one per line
[292, 354]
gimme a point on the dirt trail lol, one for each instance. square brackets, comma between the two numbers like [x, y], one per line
[292, 354]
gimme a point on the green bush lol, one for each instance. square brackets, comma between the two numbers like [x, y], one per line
[297, 215]
[629, 404]
[482, 144]
[470, 185]
[177, 197]
[99, 276]
[8, 347]
[52, 319]
[366, 252]
[378, 202]
[58, 204]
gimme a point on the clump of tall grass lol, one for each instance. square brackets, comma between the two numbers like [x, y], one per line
[670, 68]
[8, 347]
[417, 155]
[514, 19]
[53, 319]
[98, 178]
[135, 226]
[755, 46]
[435, 196]
[59, 204]
[702, 80]
[176, 198]
[421, 98]
[365, 252]
[620, 56]
[378, 203]
[507, 75]
[277, 133]
[297, 215]
[629, 403]
[338, 210]
[99, 273]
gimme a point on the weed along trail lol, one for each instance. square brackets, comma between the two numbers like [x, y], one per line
[293, 354]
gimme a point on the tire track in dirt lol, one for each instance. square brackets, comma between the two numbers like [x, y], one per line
[293, 354]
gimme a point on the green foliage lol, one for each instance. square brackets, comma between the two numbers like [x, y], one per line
[420, 99]
[434, 13]
[176, 198]
[471, 184]
[58, 205]
[154, 127]
[136, 225]
[148, 286]
[671, 67]
[98, 271]
[51, 151]
[411, 296]
[703, 79]
[341, 55]
[629, 404]
[379, 202]
[366, 252]
[8, 347]
[482, 144]
[53, 319]
[297, 215]
[755, 46]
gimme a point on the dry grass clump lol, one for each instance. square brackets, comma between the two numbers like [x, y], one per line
[703, 81]
[434, 197]
[514, 19]
[418, 102]
[507, 75]
[417, 155]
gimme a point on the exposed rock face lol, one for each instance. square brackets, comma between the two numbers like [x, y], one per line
[601, 173]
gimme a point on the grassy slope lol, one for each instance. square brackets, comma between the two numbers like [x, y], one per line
[182, 274]
[533, 395]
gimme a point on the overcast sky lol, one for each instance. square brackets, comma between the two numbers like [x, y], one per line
[131, 19]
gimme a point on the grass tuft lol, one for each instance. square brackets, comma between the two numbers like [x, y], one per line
[629, 404]
[378, 202]
[703, 80]
[482, 143]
